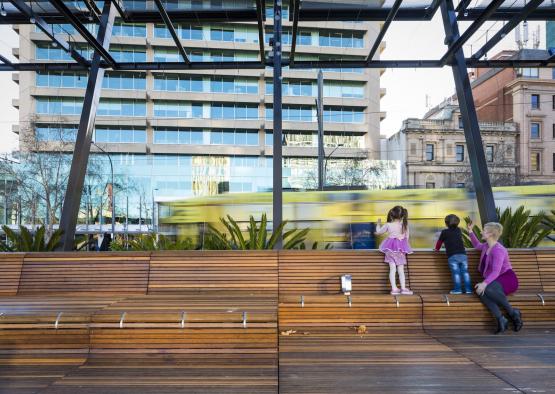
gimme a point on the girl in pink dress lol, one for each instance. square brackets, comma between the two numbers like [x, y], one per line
[396, 246]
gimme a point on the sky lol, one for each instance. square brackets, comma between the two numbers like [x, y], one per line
[406, 88]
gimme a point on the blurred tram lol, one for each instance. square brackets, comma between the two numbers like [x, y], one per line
[346, 219]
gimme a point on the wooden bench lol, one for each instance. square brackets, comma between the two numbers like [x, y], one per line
[10, 272]
[84, 273]
[205, 312]
[314, 277]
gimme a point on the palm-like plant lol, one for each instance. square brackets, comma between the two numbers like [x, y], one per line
[150, 242]
[259, 237]
[520, 230]
[25, 241]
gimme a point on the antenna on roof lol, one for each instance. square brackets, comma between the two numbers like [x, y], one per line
[518, 38]
[536, 37]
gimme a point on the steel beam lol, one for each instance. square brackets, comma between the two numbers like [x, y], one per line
[257, 65]
[478, 164]
[277, 190]
[384, 28]
[295, 29]
[72, 200]
[431, 11]
[5, 61]
[76, 23]
[94, 11]
[260, 10]
[173, 33]
[510, 25]
[461, 7]
[121, 9]
[48, 30]
[469, 32]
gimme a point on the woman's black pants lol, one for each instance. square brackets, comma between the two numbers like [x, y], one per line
[494, 298]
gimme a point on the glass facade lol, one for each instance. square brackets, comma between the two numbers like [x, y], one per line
[118, 81]
[183, 120]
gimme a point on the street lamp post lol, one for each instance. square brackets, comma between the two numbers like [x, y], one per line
[113, 189]
[326, 164]
[153, 210]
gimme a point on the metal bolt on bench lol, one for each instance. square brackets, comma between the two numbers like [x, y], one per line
[183, 316]
[397, 301]
[350, 301]
[542, 300]
[302, 301]
[58, 317]
[122, 318]
[244, 319]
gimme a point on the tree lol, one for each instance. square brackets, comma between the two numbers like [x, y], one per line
[501, 168]
[40, 172]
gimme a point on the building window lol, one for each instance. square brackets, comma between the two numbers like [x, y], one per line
[553, 131]
[460, 152]
[554, 162]
[429, 152]
[535, 160]
[553, 98]
[528, 72]
[430, 185]
[535, 130]
[459, 185]
[461, 125]
[489, 153]
[535, 101]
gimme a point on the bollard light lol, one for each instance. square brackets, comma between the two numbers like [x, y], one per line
[346, 284]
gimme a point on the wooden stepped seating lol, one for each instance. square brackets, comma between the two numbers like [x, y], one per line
[372, 311]
[84, 274]
[315, 276]
[134, 308]
[10, 272]
[193, 271]
[430, 277]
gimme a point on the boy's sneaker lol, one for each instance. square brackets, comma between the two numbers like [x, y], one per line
[468, 292]
[455, 292]
[406, 292]
[395, 291]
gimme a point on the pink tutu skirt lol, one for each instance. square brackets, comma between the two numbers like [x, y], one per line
[395, 245]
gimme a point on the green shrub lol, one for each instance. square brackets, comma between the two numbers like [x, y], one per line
[520, 230]
[25, 241]
[150, 242]
[259, 238]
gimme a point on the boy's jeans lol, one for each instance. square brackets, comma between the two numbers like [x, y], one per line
[458, 264]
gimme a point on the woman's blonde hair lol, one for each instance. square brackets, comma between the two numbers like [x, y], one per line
[496, 228]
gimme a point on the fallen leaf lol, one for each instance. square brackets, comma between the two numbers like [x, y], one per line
[361, 329]
[288, 332]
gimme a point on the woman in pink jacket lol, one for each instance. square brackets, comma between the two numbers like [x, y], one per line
[499, 278]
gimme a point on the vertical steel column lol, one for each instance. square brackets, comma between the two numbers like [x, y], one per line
[277, 190]
[82, 150]
[320, 113]
[478, 164]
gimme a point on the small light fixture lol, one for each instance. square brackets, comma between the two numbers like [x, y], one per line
[3, 10]
[346, 284]
[32, 19]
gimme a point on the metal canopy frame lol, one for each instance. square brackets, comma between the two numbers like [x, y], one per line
[386, 11]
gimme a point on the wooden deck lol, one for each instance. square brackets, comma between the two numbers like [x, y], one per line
[263, 322]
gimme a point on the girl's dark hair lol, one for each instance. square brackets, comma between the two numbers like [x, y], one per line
[399, 213]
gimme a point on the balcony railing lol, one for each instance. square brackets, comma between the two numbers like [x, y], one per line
[440, 124]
